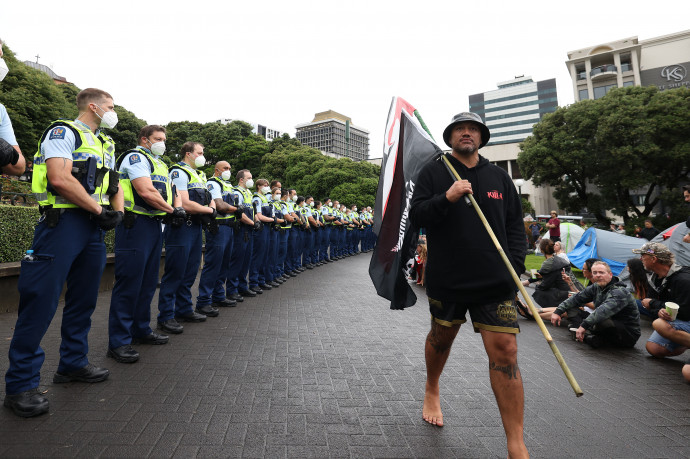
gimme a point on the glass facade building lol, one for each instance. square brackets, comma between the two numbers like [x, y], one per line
[334, 135]
[511, 110]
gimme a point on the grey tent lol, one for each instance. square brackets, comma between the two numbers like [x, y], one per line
[673, 239]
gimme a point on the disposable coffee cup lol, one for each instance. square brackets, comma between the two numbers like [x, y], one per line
[672, 309]
[534, 273]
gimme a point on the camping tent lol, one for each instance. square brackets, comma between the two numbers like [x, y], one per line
[570, 235]
[673, 239]
[613, 248]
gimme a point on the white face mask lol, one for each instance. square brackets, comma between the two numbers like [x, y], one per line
[330, 204]
[294, 198]
[200, 161]
[249, 183]
[265, 190]
[354, 210]
[276, 196]
[4, 69]
[225, 175]
[157, 148]
[311, 204]
[108, 120]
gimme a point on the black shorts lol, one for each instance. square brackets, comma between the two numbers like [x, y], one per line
[498, 316]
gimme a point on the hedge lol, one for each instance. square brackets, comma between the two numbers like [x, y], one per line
[17, 231]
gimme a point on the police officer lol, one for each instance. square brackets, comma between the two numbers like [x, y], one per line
[263, 211]
[336, 232]
[148, 197]
[327, 213]
[310, 229]
[283, 236]
[12, 161]
[293, 234]
[272, 271]
[77, 188]
[356, 231]
[219, 243]
[243, 243]
[183, 242]
[317, 253]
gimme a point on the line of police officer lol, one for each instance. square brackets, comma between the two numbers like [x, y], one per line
[255, 241]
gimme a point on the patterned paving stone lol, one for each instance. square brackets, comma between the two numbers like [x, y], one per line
[320, 367]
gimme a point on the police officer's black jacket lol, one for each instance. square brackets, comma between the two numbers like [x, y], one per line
[463, 264]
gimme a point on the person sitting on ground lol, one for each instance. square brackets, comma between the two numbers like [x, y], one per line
[639, 286]
[420, 261]
[559, 252]
[552, 289]
[615, 320]
[668, 283]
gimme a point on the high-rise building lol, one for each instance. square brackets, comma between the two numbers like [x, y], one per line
[511, 110]
[265, 132]
[335, 135]
[662, 61]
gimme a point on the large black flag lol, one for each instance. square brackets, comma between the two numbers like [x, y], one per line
[407, 148]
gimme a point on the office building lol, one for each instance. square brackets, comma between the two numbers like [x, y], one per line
[265, 132]
[511, 110]
[662, 61]
[335, 135]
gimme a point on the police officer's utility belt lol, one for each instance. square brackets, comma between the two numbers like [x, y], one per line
[131, 217]
[52, 215]
[226, 222]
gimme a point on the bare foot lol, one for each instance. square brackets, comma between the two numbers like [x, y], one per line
[431, 411]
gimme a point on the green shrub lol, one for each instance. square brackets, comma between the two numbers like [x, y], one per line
[17, 232]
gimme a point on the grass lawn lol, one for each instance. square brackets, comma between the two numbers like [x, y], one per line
[535, 261]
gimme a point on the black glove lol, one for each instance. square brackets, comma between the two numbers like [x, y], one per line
[8, 155]
[179, 212]
[108, 219]
[258, 225]
[206, 219]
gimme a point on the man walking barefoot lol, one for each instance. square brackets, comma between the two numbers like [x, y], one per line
[484, 287]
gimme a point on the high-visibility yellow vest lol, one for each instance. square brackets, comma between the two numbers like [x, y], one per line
[159, 178]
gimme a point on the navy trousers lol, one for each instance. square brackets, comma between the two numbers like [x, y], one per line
[239, 262]
[137, 263]
[74, 252]
[216, 264]
[258, 260]
[182, 260]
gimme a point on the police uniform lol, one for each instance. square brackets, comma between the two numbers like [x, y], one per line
[318, 237]
[293, 241]
[182, 251]
[336, 234]
[326, 237]
[243, 246]
[257, 264]
[138, 244]
[283, 236]
[272, 272]
[68, 247]
[212, 283]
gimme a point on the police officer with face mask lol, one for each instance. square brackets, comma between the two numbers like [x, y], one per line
[183, 242]
[77, 188]
[219, 243]
[138, 242]
[243, 243]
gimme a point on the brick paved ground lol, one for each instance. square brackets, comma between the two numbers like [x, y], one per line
[321, 367]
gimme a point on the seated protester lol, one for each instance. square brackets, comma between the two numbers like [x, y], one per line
[639, 286]
[668, 282]
[615, 320]
[574, 284]
[552, 290]
[559, 252]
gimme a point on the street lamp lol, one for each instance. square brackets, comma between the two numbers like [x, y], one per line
[518, 183]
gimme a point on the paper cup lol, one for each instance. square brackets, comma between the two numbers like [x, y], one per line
[672, 309]
[534, 273]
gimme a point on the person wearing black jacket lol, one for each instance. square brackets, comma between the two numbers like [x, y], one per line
[465, 271]
[668, 282]
[615, 320]
[552, 289]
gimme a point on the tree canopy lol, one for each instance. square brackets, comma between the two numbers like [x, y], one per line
[601, 154]
[33, 100]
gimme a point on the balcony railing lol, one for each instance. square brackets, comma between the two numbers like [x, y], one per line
[610, 68]
[582, 75]
[626, 67]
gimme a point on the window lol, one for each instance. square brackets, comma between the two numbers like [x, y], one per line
[516, 170]
[628, 83]
[503, 165]
[583, 94]
[601, 91]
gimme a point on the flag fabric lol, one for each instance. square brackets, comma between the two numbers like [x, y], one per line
[407, 147]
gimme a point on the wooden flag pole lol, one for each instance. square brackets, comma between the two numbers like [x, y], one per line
[533, 309]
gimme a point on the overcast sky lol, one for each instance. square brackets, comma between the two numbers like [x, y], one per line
[277, 63]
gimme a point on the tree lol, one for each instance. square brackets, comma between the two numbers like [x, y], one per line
[598, 154]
